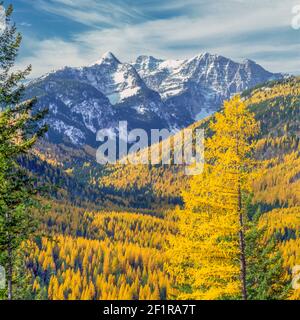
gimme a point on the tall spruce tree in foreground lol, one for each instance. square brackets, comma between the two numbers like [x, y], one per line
[207, 256]
[18, 133]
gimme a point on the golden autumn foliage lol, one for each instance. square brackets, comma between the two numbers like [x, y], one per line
[79, 268]
[119, 257]
[120, 253]
[276, 107]
[278, 181]
[205, 255]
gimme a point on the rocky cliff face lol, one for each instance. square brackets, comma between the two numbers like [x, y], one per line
[149, 93]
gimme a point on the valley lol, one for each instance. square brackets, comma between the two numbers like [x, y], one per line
[110, 224]
[200, 196]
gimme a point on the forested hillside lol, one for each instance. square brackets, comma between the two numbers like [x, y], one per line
[109, 224]
[108, 255]
[73, 229]
[277, 108]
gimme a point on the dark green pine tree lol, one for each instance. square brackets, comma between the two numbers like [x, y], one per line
[266, 276]
[19, 130]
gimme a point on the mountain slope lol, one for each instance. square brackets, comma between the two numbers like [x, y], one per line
[149, 94]
[117, 254]
[202, 83]
[277, 108]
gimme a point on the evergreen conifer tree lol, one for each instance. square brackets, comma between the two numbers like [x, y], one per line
[19, 130]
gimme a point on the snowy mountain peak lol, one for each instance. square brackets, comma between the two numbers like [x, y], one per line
[201, 83]
[149, 93]
[203, 55]
[249, 62]
[143, 58]
[147, 62]
[108, 58]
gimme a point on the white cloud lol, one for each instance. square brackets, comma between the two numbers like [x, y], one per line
[49, 55]
[25, 24]
[220, 30]
[92, 12]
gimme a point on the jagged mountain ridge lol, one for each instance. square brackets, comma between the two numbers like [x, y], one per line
[149, 93]
[202, 82]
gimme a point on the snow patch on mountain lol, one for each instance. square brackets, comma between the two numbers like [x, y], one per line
[150, 93]
[201, 83]
[75, 135]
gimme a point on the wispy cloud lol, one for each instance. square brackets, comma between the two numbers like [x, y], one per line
[52, 54]
[93, 13]
[238, 29]
[25, 24]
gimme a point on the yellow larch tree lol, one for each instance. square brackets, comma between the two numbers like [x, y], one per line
[207, 255]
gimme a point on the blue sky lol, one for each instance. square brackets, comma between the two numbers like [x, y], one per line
[77, 32]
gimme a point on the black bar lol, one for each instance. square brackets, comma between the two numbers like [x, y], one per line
[146, 309]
